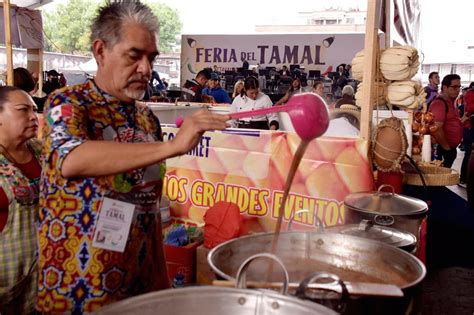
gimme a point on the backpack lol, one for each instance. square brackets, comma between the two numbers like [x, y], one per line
[428, 92]
[446, 106]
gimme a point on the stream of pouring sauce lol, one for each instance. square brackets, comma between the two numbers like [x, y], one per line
[289, 180]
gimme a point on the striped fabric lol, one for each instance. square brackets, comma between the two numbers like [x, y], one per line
[18, 243]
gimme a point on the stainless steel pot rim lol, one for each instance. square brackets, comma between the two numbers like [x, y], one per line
[185, 293]
[420, 212]
[378, 243]
[380, 202]
[388, 235]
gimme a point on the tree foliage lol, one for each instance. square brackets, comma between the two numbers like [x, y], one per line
[170, 24]
[67, 27]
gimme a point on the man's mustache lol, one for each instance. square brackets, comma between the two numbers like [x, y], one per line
[139, 79]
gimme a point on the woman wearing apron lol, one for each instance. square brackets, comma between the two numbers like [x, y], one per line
[19, 180]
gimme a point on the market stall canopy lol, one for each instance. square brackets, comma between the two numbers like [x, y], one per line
[30, 4]
[26, 24]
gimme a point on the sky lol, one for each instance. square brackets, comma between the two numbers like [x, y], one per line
[445, 28]
[240, 17]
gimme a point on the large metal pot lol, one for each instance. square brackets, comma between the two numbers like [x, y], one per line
[218, 300]
[351, 258]
[386, 209]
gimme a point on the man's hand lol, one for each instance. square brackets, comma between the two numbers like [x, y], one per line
[208, 99]
[193, 128]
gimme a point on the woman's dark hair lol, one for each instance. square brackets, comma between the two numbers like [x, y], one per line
[5, 92]
[317, 82]
[23, 79]
[251, 83]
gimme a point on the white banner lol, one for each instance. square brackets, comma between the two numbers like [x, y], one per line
[312, 51]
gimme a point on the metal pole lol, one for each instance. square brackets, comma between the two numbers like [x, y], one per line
[370, 55]
[8, 41]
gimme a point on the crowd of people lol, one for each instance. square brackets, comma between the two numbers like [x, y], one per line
[247, 94]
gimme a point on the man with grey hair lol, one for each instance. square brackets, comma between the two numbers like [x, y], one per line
[100, 236]
[347, 97]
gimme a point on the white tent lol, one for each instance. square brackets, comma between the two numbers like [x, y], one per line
[90, 67]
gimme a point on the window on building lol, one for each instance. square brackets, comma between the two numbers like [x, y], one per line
[318, 22]
[332, 21]
[453, 68]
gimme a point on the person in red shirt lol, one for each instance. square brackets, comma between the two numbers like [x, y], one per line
[468, 135]
[446, 116]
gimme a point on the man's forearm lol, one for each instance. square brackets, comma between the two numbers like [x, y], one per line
[102, 158]
[283, 100]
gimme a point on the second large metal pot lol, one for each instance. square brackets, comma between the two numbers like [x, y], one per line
[220, 300]
[213, 301]
[386, 209]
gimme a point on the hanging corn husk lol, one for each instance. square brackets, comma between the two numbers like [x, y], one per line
[409, 94]
[389, 145]
[380, 93]
[399, 63]
[358, 67]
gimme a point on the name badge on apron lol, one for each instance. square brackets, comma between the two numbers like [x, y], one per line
[113, 225]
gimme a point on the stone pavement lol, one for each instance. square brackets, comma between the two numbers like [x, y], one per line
[449, 285]
[449, 291]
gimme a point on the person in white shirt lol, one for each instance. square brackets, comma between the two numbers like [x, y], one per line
[250, 99]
